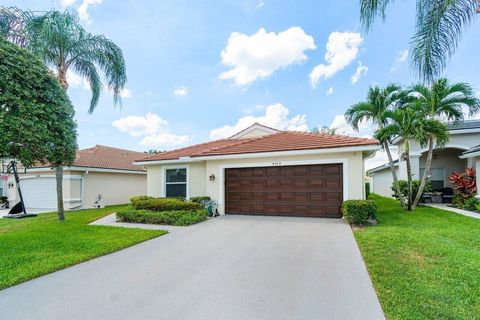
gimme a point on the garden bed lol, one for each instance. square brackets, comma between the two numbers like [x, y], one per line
[163, 211]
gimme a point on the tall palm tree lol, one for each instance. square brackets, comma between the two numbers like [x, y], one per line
[405, 122]
[375, 110]
[442, 101]
[61, 41]
[438, 29]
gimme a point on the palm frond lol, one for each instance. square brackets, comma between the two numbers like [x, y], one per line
[439, 26]
[13, 22]
[87, 69]
[371, 10]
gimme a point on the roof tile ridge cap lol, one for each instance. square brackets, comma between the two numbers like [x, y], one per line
[234, 144]
[332, 135]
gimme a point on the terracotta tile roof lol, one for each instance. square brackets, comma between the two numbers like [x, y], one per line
[108, 158]
[282, 141]
[103, 157]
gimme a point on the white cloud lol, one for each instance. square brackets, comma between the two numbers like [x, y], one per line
[165, 139]
[329, 91]
[180, 91]
[360, 72]
[126, 93]
[400, 59]
[276, 116]
[82, 9]
[76, 81]
[342, 49]
[261, 54]
[260, 4]
[138, 126]
[153, 129]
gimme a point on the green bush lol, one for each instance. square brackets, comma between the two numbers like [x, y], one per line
[470, 203]
[415, 186]
[477, 207]
[163, 204]
[359, 211]
[200, 199]
[174, 218]
[458, 200]
[367, 189]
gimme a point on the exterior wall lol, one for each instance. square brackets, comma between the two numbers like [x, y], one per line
[115, 188]
[462, 141]
[381, 182]
[255, 133]
[199, 183]
[448, 160]
[196, 179]
[354, 182]
[477, 169]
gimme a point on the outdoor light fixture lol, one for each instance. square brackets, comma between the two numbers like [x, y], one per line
[212, 177]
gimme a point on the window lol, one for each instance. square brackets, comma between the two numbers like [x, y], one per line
[437, 178]
[176, 182]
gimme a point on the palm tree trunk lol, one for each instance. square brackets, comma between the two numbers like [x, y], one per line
[426, 173]
[409, 175]
[59, 180]
[394, 173]
[62, 78]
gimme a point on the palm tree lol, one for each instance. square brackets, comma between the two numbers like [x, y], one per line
[442, 101]
[438, 29]
[59, 39]
[405, 122]
[375, 110]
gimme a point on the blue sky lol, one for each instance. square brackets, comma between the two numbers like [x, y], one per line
[173, 49]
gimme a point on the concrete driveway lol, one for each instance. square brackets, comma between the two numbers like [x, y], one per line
[232, 267]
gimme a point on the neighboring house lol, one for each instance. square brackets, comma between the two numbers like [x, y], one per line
[261, 170]
[100, 176]
[454, 157]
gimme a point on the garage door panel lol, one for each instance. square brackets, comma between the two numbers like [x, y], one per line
[39, 192]
[310, 190]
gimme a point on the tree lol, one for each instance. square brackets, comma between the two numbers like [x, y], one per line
[442, 101]
[438, 28]
[36, 116]
[324, 129]
[375, 109]
[408, 123]
[63, 44]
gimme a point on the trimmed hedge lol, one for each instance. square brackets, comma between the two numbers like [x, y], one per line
[359, 211]
[163, 204]
[174, 218]
[200, 199]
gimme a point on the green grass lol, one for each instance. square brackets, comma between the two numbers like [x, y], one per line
[424, 264]
[33, 247]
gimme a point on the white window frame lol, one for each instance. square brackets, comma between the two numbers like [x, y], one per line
[164, 179]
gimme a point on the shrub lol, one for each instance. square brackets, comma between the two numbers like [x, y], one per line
[200, 199]
[458, 200]
[477, 207]
[367, 189]
[175, 218]
[163, 204]
[470, 203]
[359, 211]
[465, 183]
[415, 186]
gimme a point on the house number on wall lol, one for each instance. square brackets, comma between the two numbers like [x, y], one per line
[276, 163]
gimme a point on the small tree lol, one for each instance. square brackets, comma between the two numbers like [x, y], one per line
[36, 116]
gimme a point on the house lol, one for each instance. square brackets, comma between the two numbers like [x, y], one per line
[456, 156]
[99, 177]
[261, 170]
[474, 156]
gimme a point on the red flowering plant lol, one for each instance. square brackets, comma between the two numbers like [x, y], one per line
[465, 183]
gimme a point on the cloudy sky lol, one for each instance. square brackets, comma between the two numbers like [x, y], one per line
[201, 70]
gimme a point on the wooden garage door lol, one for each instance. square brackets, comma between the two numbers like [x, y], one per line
[310, 191]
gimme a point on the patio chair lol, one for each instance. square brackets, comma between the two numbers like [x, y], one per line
[447, 195]
[427, 196]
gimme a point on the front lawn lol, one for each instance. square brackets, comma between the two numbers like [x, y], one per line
[424, 264]
[36, 246]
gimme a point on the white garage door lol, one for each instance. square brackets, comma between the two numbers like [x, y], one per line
[39, 192]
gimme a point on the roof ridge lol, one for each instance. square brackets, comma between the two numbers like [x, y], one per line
[97, 146]
[234, 144]
[328, 134]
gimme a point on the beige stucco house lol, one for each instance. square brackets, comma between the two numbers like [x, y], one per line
[261, 170]
[100, 176]
[454, 157]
